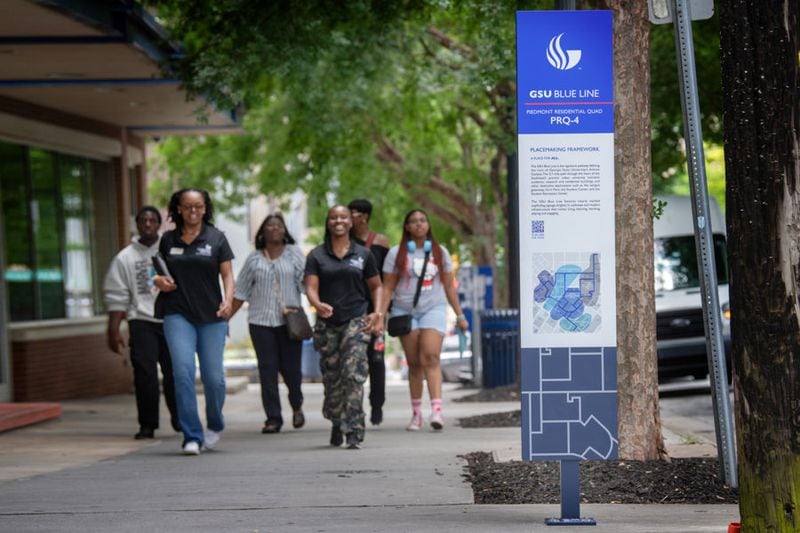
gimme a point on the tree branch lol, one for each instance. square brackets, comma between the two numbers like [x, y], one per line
[386, 152]
[430, 53]
[448, 42]
[499, 97]
[436, 208]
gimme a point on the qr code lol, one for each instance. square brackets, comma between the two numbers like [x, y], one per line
[537, 227]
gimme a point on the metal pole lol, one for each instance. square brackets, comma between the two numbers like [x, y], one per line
[704, 240]
[570, 475]
[570, 489]
[512, 256]
[5, 362]
[477, 338]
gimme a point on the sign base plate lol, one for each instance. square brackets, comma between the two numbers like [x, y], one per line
[570, 522]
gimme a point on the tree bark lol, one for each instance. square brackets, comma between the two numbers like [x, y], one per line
[637, 364]
[761, 102]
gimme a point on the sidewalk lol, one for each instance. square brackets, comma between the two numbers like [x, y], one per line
[85, 472]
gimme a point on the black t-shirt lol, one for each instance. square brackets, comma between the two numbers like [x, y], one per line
[379, 252]
[342, 281]
[195, 270]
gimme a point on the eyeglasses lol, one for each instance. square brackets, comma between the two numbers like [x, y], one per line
[196, 207]
[274, 226]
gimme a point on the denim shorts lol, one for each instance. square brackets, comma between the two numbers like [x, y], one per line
[434, 318]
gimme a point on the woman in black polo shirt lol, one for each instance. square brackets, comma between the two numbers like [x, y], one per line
[338, 273]
[195, 313]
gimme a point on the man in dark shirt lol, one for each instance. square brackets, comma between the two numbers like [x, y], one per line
[378, 244]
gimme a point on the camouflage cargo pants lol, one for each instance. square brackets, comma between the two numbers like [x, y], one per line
[343, 362]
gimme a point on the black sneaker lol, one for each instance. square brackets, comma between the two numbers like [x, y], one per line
[145, 433]
[271, 426]
[376, 416]
[336, 436]
[353, 442]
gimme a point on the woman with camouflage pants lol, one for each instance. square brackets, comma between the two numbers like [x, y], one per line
[338, 273]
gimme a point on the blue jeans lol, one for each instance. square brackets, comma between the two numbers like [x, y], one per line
[208, 341]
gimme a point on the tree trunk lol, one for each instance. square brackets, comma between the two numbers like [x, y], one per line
[637, 365]
[761, 92]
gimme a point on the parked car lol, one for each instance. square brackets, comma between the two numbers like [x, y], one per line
[680, 328]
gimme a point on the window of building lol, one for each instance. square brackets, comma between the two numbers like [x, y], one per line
[14, 190]
[48, 213]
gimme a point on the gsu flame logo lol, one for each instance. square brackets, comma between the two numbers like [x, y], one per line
[558, 59]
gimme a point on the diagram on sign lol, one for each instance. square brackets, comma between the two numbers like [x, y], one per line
[569, 403]
[567, 293]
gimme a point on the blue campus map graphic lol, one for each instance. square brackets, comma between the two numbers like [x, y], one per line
[569, 403]
[570, 294]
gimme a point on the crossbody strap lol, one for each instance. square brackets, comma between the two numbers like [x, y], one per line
[368, 242]
[419, 281]
[277, 284]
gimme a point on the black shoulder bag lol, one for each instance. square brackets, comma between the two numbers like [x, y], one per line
[401, 324]
[296, 319]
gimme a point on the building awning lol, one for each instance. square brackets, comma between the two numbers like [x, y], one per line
[100, 60]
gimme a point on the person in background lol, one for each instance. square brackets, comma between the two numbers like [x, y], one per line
[378, 244]
[277, 264]
[338, 274]
[423, 345]
[130, 294]
[195, 312]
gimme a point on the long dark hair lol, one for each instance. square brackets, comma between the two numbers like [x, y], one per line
[261, 242]
[175, 200]
[402, 252]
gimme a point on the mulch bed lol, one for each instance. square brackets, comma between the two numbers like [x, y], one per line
[691, 480]
[506, 393]
[695, 480]
[508, 419]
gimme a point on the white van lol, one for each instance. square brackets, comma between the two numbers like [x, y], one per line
[680, 329]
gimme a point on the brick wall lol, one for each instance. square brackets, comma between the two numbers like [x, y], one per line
[67, 368]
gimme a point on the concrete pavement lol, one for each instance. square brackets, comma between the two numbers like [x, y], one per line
[84, 472]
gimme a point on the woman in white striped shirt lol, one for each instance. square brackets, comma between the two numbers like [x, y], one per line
[276, 264]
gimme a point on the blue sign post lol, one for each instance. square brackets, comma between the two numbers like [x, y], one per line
[565, 124]
[475, 290]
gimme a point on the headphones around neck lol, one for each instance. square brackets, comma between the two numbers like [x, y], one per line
[412, 246]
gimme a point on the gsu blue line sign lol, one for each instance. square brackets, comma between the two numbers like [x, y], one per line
[564, 75]
[565, 110]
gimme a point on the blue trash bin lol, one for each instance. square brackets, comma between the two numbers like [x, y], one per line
[309, 363]
[499, 346]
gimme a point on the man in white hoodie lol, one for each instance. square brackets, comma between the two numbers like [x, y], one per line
[129, 293]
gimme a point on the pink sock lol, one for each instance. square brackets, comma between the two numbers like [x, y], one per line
[436, 405]
[416, 407]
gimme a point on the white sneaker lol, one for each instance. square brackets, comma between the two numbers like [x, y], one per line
[191, 448]
[437, 420]
[211, 439]
[416, 422]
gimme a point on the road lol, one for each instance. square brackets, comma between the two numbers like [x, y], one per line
[689, 401]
